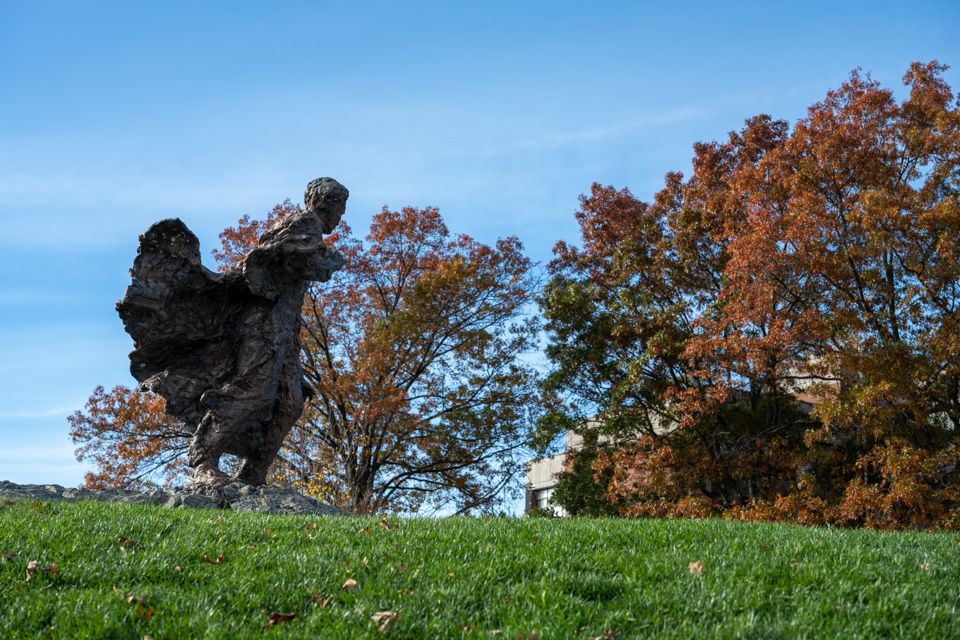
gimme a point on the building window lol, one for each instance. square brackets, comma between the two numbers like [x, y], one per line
[542, 499]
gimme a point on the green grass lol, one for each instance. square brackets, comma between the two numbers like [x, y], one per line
[463, 577]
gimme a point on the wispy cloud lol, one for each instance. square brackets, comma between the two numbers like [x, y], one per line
[43, 414]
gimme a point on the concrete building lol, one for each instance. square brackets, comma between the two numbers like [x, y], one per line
[542, 476]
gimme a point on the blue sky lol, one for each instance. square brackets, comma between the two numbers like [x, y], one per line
[114, 115]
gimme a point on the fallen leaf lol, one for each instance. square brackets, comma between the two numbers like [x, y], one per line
[386, 524]
[366, 561]
[266, 533]
[401, 568]
[133, 597]
[450, 575]
[54, 569]
[147, 637]
[308, 536]
[404, 592]
[178, 568]
[365, 531]
[320, 600]
[796, 564]
[695, 568]
[496, 632]
[385, 619]
[126, 542]
[925, 566]
[251, 547]
[6, 556]
[32, 567]
[533, 636]
[347, 561]
[350, 584]
[310, 527]
[609, 634]
[276, 618]
[144, 614]
[219, 559]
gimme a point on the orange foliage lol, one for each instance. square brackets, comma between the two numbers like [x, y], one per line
[130, 438]
[819, 264]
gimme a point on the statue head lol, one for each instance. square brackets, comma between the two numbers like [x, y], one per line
[327, 198]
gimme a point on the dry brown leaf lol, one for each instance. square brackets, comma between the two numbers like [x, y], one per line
[126, 542]
[144, 614]
[320, 600]
[6, 556]
[386, 524]
[251, 547]
[533, 636]
[925, 566]
[219, 559]
[178, 568]
[404, 592]
[366, 561]
[347, 561]
[32, 567]
[365, 531]
[310, 527]
[147, 637]
[385, 619]
[276, 618]
[695, 568]
[609, 634]
[450, 575]
[350, 584]
[267, 533]
[308, 536]
[54, 569]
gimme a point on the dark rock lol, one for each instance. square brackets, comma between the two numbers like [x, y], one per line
[224, 349]
[238, 497]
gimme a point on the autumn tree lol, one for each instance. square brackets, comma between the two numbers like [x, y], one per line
[816, 264]
[131, 440]
[414, 351]
[622, 313]
[852, 227]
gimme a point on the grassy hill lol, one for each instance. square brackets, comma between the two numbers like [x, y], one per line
[103, 571]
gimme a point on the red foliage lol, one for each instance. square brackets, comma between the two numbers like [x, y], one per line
[820, 264]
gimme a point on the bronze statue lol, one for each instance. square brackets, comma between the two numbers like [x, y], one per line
[224, 349]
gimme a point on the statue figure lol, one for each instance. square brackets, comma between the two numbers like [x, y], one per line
[223, 349]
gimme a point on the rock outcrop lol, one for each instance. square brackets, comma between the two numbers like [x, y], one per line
[232, 496]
